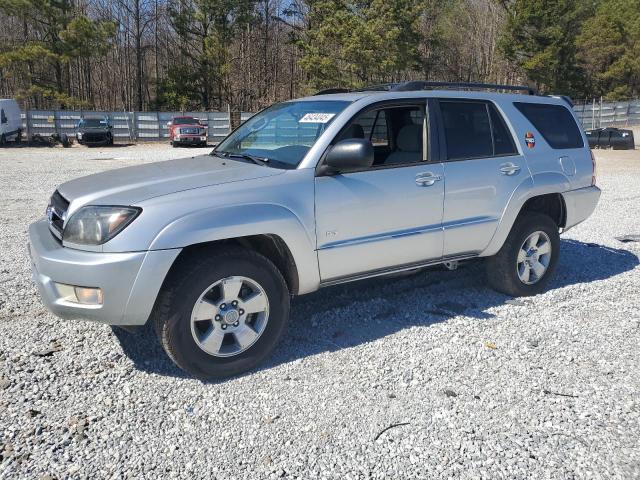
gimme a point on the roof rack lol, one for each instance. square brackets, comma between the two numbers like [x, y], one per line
[329, 91]
[425, 85]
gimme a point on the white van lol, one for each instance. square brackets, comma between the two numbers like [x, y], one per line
[10, 121]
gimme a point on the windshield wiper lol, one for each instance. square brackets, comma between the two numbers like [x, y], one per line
[253, 158]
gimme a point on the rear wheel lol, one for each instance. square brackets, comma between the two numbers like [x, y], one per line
[526, 262]
[223, 314]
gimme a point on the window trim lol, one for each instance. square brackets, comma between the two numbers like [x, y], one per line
[427, 150]
[444, 154]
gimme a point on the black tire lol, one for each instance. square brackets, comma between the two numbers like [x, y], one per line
[19, 137]
[174, 144]
[502, 268]
[172, 314]
[64, 139]
[3, 140]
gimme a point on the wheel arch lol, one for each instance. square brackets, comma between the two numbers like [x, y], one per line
[270, 230]
[541, 194]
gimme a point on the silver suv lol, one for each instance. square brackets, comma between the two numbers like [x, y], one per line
[313, 192]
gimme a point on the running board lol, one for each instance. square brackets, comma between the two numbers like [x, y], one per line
[391, 270]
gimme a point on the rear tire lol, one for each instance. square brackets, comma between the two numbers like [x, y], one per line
[526, 262]
[3, 140]
[188, 333]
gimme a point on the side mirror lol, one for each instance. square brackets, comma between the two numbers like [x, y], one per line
[346, 155]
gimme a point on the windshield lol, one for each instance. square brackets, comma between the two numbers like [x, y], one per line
[186, 121]
[282, 134]
[92, 123]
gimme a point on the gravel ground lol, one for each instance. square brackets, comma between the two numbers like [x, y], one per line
[474, 384]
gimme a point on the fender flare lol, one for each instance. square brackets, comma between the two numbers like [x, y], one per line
[539, 184]
[223, 223]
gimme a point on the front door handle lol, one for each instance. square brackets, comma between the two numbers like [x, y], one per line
[427, 179]
[509, 168]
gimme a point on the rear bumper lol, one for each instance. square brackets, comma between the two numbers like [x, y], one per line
[130, 282]
[580, 204]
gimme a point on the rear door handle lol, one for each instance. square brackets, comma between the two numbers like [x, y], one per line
[427, 179]
[509, 168]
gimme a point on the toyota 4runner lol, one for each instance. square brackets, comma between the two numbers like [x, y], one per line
[313, 192]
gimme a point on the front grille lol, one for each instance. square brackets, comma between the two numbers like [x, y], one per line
[190, 131]
[94, 137]
[57, 211]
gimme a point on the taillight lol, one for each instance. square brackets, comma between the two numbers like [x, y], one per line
[593, 163]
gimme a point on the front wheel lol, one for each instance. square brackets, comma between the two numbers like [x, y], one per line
[526, 262]
[223, 314]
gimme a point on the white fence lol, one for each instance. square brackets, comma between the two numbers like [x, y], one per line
[127, 126]
[609, 114]
[152, 126]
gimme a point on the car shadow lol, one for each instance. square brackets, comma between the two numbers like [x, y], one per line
[347, 315]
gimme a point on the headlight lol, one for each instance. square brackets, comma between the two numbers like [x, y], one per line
[93, 225]
[79, 136]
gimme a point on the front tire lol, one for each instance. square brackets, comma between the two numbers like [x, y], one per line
[223, 314]
[526, 262]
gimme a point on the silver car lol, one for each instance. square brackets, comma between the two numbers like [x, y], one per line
[315, 192]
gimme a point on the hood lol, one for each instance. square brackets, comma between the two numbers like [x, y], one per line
[131, 185]
[93, 129]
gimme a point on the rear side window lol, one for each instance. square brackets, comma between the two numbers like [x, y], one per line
[474, 130]
[3, 117]
[554, 122]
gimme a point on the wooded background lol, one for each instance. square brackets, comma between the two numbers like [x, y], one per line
[244, 55]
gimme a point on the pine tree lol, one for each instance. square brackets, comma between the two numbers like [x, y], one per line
[540, 37]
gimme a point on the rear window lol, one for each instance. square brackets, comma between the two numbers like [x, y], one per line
[554, 122]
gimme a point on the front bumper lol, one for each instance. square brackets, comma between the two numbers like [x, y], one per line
[190, 139]
[130, 281]
[580, 204]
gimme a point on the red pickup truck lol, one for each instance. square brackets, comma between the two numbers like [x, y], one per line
[187, 131]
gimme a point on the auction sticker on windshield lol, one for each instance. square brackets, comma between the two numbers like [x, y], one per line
[317, 118]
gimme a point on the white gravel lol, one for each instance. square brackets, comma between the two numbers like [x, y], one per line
[482, 386]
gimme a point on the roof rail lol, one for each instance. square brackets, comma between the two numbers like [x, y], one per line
[329, 91]
[424, 85]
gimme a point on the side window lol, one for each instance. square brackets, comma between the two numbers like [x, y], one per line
[396, 133]
[502, 139]
[554, 122]
[3, 117]
[467, 129]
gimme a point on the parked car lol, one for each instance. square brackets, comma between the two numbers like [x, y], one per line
[94, 132]
[187, 131]
[310, 193]
[10, 121]
[610, 137]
